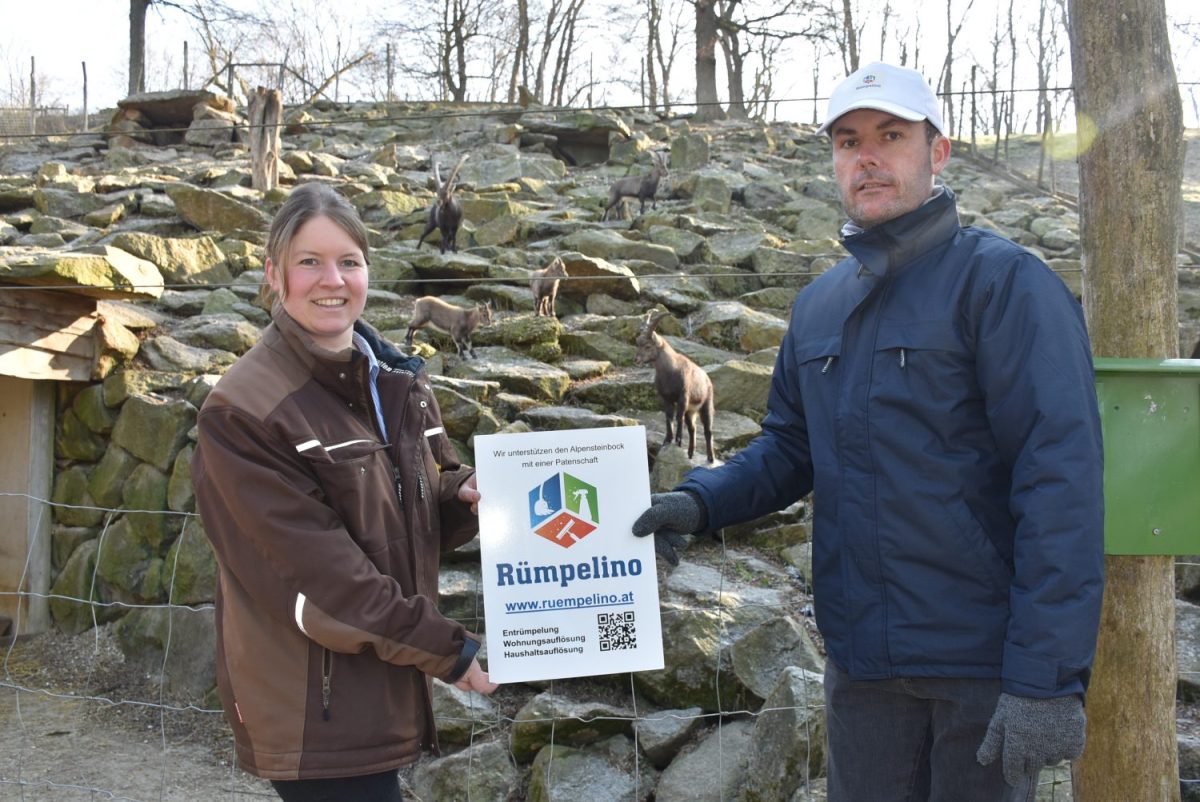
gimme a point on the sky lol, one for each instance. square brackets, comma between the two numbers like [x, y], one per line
[60, 34]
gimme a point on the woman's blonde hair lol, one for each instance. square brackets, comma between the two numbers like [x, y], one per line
[306, 202]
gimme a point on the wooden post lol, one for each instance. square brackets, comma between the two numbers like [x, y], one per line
[32, 96]
[974, 151]
[266, 109]
[390, 94]
[85, 105]
[1130, 123]
[185, 64]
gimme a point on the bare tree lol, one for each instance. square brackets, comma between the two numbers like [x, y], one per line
[1130, 175]
[137, 45]
[744, 35]
[850, 36]
[707, 106]
[520, 51]
[566, 49]
[665, 42]
[946, 79]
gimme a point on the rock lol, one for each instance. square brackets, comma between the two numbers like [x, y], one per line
[461, 715]
[700, 625]
[730, 325]
[75, 440]
[210, 209]
[712, 772]
[514, 373]
[607, 244]
[181, 261]
[74, 505]
[191, 566]
[168, 354]
[106, 273]
[1187, 648]
[556, 418]
[187, 669]
[606, 772]
[689, 152]
[154, 429]
[73, 591]
[661, 734]
[571, 723]
[230, 333]
[173, 108]
[130, 570]
[788, 739]
[482, 773]
[740, 386]
[146, 489]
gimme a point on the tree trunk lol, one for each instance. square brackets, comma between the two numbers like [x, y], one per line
[850, 41]
[707, 107]
[653, 17]
[1129, 188]
[520, 56]
[137, 45]
[266, 109]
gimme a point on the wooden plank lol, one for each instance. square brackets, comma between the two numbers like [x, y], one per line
[46, 335]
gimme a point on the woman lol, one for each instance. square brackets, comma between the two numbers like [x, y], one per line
[328, 487]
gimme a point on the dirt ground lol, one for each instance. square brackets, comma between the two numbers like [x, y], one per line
[117, 742]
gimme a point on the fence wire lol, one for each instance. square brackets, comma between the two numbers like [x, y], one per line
[82, 734]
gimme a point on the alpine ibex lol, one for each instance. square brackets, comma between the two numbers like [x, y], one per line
[638, 186]
[454, 320]
[545, 287]
[446, 212]
[683, 388]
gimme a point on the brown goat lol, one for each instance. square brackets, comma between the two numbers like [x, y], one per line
[454, 320]
[545, 287]
[683, 388]
[446, 213]
[638, 186]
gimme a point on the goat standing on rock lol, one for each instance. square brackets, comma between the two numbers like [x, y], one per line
[545, 287]
[446, 212]
[682, 386]
[454, 320]
[638, 186]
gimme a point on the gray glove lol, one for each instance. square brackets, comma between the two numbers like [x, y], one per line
[1029, 733]
[670, 517]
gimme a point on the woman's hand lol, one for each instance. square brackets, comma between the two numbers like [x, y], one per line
[476, 679]
[468, 493]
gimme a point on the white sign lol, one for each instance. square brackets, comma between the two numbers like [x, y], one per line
[568, 590]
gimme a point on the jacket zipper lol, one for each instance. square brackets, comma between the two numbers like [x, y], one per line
[421, 483]
[399, 488]
[326, 682]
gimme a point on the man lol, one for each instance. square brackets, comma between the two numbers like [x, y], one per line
[935, 392]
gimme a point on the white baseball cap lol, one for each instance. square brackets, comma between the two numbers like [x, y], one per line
[885, 87]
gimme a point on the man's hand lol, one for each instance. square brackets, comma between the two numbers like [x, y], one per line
[1028, 733]
[670, 517]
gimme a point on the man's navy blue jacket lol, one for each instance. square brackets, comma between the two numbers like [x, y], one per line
[935, 392]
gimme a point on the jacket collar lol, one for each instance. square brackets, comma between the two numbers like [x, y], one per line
[890, 246]
[327, 366]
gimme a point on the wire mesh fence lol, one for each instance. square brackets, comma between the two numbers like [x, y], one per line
[83, 722]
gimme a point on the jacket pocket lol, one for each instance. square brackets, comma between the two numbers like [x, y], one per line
[356, 480]
[817, 354]
[978, 548]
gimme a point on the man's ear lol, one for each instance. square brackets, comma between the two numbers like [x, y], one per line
[939, 154]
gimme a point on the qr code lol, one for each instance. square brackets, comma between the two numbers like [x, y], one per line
[616, 631]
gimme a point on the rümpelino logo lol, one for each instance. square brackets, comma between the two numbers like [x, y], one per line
[563, 509]
[869, 78]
